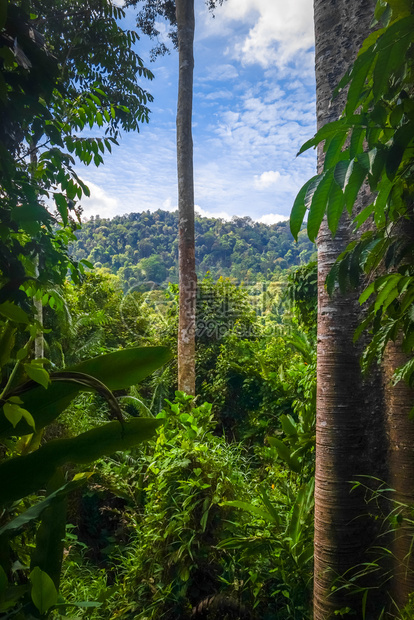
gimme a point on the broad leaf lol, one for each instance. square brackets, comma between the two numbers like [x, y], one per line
[37, 374]
[26, 474]
[44, 594]
[117, 371]
[34, 513]
[299, 208]
[319, 204]
[14, 313]
[255, 510]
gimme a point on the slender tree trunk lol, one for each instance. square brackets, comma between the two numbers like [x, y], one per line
[349, 412]
[186, 252]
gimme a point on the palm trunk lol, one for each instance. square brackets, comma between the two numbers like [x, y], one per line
[399, 400]
[348, 412]
[186, 252]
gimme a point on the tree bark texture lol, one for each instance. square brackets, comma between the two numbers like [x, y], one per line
[349, 433]
[399, 401]
[186, 252]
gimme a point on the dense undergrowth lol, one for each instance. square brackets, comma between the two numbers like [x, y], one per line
[212, 518]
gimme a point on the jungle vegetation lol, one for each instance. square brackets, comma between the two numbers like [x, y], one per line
[142, 247]
[123, 497]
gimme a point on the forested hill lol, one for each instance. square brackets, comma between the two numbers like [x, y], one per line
[144, 246]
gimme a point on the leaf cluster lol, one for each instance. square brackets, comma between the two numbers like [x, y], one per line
[63, 69]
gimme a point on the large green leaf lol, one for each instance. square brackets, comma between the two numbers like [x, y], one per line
[354, 178]
[255, 510]
[336, 203]
[334, 149]
[391, 48]
[359, 75]
[34, 513]
[50, 535]
[285, 453]
[319, 204]
[402, 138]
[299, 207]
[44, 594]
[118, 370]
[26, 474]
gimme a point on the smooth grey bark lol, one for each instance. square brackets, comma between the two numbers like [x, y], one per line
[186, 251]
[349, 431]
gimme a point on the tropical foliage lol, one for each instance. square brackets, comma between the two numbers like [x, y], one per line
[142, 247]
[212, 515]
[372, 143]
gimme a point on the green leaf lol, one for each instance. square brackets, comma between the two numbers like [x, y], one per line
[362, 217]
[319, 204]
[391, 50]
[14, 414]
[329, 130]
[285, 453]
[358, 76]
[381, 202]
[357, 141]
[354, 178]
[367, 293]
[299, 208]
[38, 374]
[44, 594]
[402, 138]
[14, 313]
[340, 172]
[271, 509]
[334, 149]
[20, 523]
[28, 473]
[288, 425]
[50, 535]
[390, 283]
[62, 207]
[117, 371]
[255, 510]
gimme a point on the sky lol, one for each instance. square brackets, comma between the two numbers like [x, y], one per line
[254, 106]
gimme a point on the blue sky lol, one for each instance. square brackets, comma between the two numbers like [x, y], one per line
[254, 105]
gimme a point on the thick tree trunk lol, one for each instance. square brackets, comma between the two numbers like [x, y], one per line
[186, 253]
[349, 441]
[399, 401]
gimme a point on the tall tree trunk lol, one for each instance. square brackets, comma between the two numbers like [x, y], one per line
[399, 400]
[348, 429]
[186, 251]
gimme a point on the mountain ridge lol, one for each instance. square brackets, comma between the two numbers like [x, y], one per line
[144, 246]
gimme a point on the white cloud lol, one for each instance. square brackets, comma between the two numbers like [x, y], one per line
[168, 205]
[100, 202]
[254, 106]
[267, 179]
[217, 214]
[272, 218]
[273, 178]
[219, 94]
[277, 31]
[219, 73]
